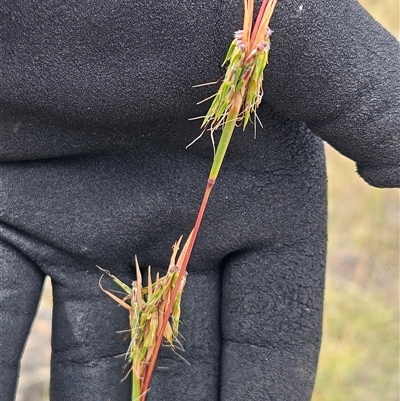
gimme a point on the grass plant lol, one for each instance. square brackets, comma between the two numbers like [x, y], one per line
[152, 309]
[147, 309]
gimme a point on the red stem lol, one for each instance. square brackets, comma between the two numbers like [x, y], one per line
[258, 22]
[150, 368]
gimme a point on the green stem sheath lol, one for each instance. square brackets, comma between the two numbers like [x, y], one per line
[226, 136]
[136, 387]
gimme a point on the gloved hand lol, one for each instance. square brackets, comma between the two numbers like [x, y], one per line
[95, 103]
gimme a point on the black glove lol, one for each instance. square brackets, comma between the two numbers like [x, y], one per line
[95, 100]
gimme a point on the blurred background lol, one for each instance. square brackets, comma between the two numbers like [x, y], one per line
[359, 358]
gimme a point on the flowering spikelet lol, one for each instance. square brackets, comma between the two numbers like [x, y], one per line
[246, 59]
[147, 307]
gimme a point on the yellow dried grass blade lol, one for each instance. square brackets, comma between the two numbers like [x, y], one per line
[247, 19]
[138, 284]
[184, 250]
[175, 250]
[149, 284]
[114, 297]
[122, 285]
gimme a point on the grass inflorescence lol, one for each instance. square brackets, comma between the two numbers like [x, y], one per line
[147, 308]
[154, 310]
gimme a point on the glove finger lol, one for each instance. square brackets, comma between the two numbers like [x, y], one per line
[198, 377]
[335, 68]
[20, 288]
[87, 350]
[86, 344]
[271, 324]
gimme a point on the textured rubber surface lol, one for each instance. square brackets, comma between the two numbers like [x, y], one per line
[95, 100]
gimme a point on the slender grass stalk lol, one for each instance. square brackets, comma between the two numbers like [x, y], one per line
[229, 107]
[155, 310]
[226, 135]
[136, 388]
